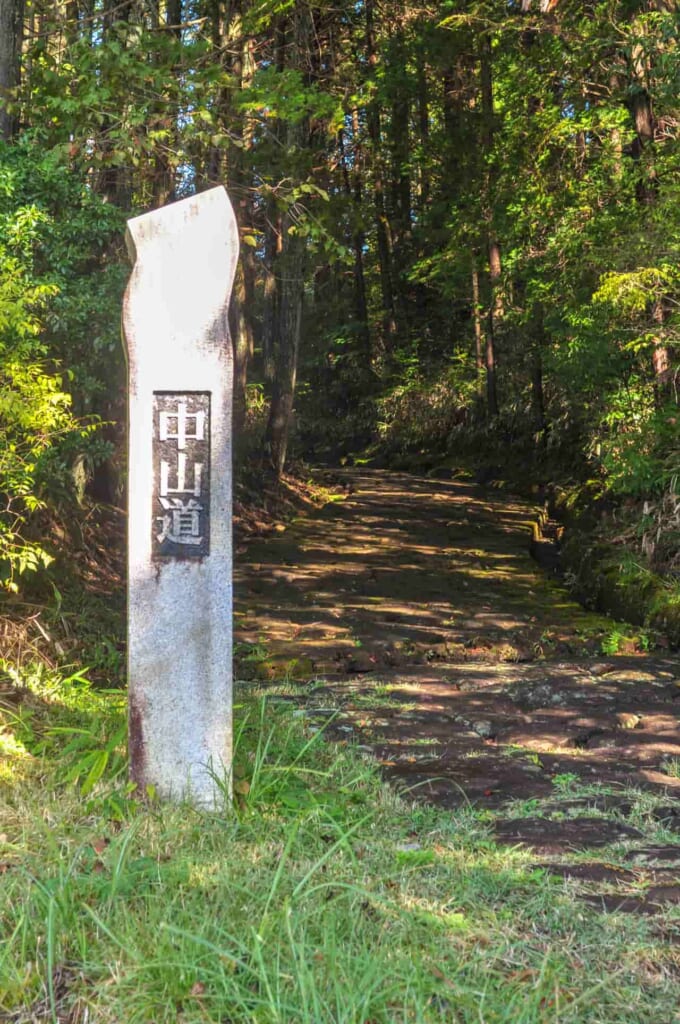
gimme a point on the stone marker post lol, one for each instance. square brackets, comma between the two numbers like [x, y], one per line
[179, 547]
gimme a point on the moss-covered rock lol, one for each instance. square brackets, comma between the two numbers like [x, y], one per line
[607, 577]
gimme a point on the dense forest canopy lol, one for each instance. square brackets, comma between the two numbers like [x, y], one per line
[459, 227]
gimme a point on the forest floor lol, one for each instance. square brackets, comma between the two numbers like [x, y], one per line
[410, 621]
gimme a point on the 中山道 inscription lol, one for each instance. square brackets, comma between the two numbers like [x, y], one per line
[181, 459]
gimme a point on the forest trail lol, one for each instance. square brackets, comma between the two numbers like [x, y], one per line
[412, 619]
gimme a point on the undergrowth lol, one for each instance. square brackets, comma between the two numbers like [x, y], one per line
[320, 896]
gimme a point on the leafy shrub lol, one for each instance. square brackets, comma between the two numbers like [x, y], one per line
[41, 439]
[421, 412]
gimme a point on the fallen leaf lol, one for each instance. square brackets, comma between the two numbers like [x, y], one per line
[526, 975]
[628, 719]
[441, 976]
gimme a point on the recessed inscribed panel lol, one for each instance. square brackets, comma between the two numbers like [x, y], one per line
[181, 459]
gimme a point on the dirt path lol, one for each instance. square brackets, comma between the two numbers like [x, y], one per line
[412, 616]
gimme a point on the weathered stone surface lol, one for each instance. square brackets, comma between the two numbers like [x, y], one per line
[483, 728]
[180, 558]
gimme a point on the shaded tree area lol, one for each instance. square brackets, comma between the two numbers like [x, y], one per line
[459, 228]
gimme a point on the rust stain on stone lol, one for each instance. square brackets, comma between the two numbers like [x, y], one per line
[136, 745]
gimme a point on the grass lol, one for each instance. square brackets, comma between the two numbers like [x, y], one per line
[320, 897]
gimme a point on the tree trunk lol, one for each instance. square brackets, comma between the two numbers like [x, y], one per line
[383, 234]
[661, 360]
[243, 298]
[399, 123]
[11, 36]
[285, 377]
[354, 193]
[538, 398]
[535, 328]
[114, 181]
[424, 130]
[642, 114]
[273, 246]
[490, 364]
[399, 220]
[289, 268]
[242, 342]
[224, 13]
[494, 252]
[477, 317]
[163, 185]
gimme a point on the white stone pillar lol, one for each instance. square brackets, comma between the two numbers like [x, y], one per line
[179, 533]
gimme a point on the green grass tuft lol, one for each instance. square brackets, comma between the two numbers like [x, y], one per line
[321, 897]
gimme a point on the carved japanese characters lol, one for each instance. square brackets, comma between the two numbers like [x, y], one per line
[181, 505]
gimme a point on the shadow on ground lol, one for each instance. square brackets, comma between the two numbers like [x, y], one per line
[411, 621]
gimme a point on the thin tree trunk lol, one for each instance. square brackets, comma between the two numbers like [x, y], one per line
[285, 378]
[163, 186]
[494, 253]
[11, 37]
[536, 326]
[113, 181]
[647, 190]
[538, 398]
[289, 274]
[383, 234]
[399, 144]
[243, 298]
[222, 14]
[477, 317]
[242, 342]
[661, 360]
[273, 246]
[399, 219]
[358, 242]
[490, 364]
[424, 130]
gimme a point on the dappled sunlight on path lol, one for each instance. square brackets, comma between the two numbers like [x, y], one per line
[411, 620]
[404, 561]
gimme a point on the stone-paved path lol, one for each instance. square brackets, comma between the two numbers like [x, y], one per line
[413, 622]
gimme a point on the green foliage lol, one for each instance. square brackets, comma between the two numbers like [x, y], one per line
[633, 292]
[639, 452]
[285, 94]
[40, 435]
[49, 316]
[369, 172]
[363, 159]
[420, 414]
[77, 730]
[612, 643]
